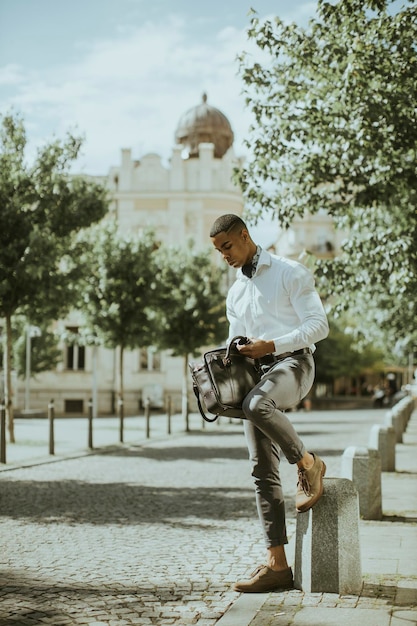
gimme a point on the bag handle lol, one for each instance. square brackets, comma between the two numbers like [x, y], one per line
[200, 408]
[236, 339]
[242, 340]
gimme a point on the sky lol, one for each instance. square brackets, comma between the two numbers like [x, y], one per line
[122, 72]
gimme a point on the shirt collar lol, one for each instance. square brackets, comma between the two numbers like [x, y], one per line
[249, 269]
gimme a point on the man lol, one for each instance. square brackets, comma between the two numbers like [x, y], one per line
[273, 302]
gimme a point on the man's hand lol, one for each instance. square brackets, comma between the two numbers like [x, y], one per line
[257, 348]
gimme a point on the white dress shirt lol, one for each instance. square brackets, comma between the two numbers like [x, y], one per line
[279, 303]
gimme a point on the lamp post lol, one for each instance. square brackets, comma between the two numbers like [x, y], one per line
[94, 390]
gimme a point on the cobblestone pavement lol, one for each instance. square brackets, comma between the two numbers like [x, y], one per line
[388, 596]
[147, 533]
[334, 610]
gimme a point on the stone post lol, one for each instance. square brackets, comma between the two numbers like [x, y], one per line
[327, 549]
[405, 407]
[363, 467]
[393, 419]
[382, 438]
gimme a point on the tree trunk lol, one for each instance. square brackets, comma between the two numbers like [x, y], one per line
[184, 399]
[8, 389]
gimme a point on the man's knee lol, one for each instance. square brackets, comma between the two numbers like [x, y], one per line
[257, 406]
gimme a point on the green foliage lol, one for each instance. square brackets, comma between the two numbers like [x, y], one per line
[44, 354]
[41, 207]
[119, 291]
[335, 128]
[191, 303]
[340, 355]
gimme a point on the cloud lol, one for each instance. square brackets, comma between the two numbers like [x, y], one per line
[130, 90]
[10, 74]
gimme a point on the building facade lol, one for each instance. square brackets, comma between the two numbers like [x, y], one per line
[179, 201]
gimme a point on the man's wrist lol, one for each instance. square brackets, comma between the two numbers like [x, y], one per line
[271, 347]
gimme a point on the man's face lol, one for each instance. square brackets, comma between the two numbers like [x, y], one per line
[234, 246]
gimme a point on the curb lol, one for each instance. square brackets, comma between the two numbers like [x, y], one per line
[244, 610]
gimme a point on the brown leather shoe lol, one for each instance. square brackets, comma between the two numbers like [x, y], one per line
[310, 485]
[265, 579]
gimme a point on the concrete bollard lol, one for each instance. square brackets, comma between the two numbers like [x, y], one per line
[382, 438]
[406, 406]
[363, 467]
[411, 405]
[399, 412]
[327, 548]
[400, 415]
[393, 419]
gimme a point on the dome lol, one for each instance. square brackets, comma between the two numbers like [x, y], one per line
[204, 124]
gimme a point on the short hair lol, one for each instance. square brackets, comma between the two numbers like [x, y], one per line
[226, 223]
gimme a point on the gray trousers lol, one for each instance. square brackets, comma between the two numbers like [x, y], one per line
[268, 430]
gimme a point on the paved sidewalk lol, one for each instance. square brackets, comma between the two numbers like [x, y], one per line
[389, 566]
[71, 435]
[156, 530]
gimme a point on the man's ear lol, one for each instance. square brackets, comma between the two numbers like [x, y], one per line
[245, 235]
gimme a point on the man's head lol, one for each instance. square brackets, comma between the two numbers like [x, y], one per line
[230, 236]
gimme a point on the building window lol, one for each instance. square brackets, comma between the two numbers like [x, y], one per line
[75, 354]
[323, 245]
[149, 360]
[74, 406]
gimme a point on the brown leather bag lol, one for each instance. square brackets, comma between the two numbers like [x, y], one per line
[223, 379]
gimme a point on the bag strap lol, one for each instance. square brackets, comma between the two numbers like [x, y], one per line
[200, 408]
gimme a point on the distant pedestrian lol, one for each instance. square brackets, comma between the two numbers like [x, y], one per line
[273, 302]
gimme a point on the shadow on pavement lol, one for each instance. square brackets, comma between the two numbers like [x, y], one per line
[72, 501]
[187, 453]
[394, 596]
[34, 603]
[193, 453]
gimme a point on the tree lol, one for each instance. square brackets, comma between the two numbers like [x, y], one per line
[34, 349]
[119, 292]
[191, 306]
[335, 128]
[339, 356]
[45, 353]
[41, 207]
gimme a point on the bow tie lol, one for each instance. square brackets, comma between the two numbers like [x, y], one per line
[248, 270]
